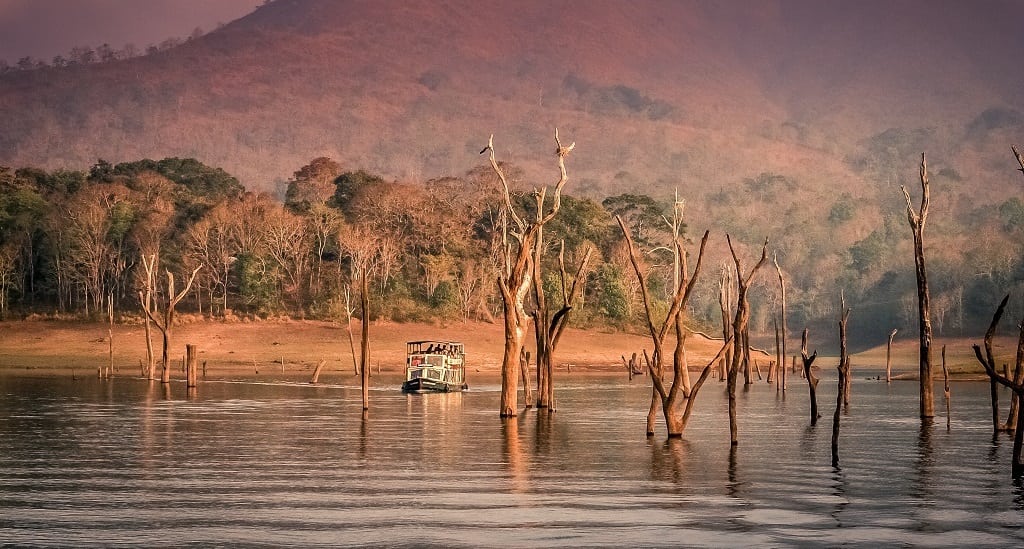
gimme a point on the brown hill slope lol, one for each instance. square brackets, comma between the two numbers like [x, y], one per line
[656, 92]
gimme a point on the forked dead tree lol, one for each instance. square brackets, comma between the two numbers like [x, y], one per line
[164, 320]
[517, 270]
[672, 396]
[989, 363]
[917, 221]
[741, 335]
[812, 381]
[547, 328]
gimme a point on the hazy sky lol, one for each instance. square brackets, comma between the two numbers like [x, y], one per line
[45, 28]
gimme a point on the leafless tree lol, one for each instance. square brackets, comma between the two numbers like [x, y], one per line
[517, 272]
[164, 320]
[917, 221]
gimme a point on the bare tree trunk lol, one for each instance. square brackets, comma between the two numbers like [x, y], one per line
[888, 358]
[779, 368]
[988, 362]
[316, 372]
[945, 386]
[517, 274]
[364, 344]
[351, 340]
[844, 382]
[725, 304]
[524, 368]
[917, 221]
[668, 396]
[741, 345]
[812, 382]
[782, 287]
[110, 334]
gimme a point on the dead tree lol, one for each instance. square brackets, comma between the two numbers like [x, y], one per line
[669, 397]
[547, 328]
[741, 335]
[165, 321]
[989, 363]
[945, 386]
[349, 309]
[888, 357]
[1020, 159]
[364, 343]
[725, 304]
[517, 272]
[843, 393]
[782, 288]
[316, 372]
[917, 221]
[146, 297]
[845, 380]
[812, 381]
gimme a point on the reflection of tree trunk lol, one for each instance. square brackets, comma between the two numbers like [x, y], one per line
[917, 222]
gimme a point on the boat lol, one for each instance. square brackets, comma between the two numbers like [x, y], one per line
[434, 367]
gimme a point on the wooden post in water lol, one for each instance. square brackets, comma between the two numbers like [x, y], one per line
[192, 366]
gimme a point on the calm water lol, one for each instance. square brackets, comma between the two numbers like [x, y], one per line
[126, 463]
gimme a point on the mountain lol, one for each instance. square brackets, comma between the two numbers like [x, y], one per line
[657, 93]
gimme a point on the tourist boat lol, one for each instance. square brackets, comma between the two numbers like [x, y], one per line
[434, 367]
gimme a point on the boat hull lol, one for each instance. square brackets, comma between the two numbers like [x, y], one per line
[423, 385]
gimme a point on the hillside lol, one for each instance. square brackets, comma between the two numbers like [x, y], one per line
[795, 120]
[657, 93]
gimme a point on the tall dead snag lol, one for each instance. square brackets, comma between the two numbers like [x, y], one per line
[364, 343]
[989, 363]
[517, 271]
[812, 381]
[670, 397]
[917, 221]
[165, 320]
[845, 380]
[782, 288]
[843, 393]
[741, 334]
[1020, 159]
[888, 357]
[547, 328]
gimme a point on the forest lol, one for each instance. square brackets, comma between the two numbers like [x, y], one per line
[72, 242]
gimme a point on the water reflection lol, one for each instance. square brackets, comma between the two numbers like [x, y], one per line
[278, 464]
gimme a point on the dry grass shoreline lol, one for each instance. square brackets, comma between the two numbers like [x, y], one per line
[45, 347]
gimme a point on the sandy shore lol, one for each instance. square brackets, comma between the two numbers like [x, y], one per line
[235, 349]
[241, 348]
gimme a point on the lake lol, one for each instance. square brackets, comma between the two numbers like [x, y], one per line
[280, 463]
